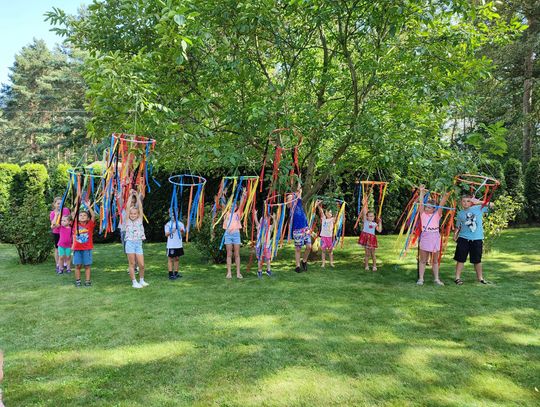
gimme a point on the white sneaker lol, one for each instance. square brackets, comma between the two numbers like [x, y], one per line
[136, 285]
[439, 282]
[420, 282]
[143, 284]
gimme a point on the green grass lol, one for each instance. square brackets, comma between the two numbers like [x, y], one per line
[322, 338]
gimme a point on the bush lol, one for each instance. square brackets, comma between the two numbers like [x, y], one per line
[513, 174]
[532, 189]
[58, 179]
[7, 173]
[505, 211]
[29, 224]
[208, 241]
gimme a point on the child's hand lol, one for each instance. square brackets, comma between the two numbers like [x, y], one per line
[455, 237]
[422, 187]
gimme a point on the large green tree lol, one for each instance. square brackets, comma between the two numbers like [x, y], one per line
[367, 83]
[43, 114]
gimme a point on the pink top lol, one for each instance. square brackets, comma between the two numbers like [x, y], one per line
[233, 224]
[66, 237]
[430, 222]
[52, 215]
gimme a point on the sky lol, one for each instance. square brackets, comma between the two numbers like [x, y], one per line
[23, 20]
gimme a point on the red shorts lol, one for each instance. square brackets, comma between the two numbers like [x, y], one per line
[327, 243]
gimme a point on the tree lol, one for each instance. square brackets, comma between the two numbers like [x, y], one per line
[43, 114]
[367, 83]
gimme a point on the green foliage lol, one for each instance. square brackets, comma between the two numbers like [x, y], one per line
[532, 189]
[28, 224]
[43, 117]
[58, 179]
[491, 140]
[513, 175]
[505, 211]
[7, 173]
[368, 85]
[208, 240]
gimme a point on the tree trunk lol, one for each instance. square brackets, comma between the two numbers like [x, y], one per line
[530, 56]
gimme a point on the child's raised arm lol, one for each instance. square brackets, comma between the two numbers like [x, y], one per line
[321, 212]
[422, 190]
[139, 205]
[379, 225]
[443, 202]
[92, 213]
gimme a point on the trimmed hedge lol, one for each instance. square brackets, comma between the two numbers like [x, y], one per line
[7, 173]
[28, 224]
[532, 189]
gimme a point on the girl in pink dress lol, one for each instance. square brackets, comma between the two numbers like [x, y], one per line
[430, 237]
[55, 217]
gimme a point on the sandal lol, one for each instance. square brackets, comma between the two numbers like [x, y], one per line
[458, 281]
[482, 281]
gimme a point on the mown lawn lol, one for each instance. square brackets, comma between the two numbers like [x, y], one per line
[326, 337]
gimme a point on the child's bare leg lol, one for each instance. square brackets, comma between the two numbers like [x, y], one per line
[268, 265]
[435, 265]
[423, 257]
[229, 259]
[139, 261]
[131, 262]
[331, 257]
[78, 272]
[459, 269]
[237, 259]
[68, 262]
[297, 255]
[479, 271]
[306, 252]
[367, 255]
[170, 264]
[87, 273]
[323, 257]
[176, 264]
[374, 258]
[56, 259]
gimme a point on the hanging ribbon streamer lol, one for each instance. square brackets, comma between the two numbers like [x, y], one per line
[195, 204]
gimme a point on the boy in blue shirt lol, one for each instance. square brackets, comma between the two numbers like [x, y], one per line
[469, 236]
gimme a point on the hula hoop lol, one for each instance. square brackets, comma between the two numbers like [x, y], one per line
[201, 180]
[477, 180]
[244, 177]
[285, 202]
[373, 182]
[132, 138]
[77, 171]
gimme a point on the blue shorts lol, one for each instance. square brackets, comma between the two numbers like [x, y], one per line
[134, 247]
[82, 257]
[302, 237]
[233, 237]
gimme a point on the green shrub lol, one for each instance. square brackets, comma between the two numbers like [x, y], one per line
[58, 179]
[7, 173]
[532, 189]
[207, 241]
[505, 211]
[513, 175]
[29, 224]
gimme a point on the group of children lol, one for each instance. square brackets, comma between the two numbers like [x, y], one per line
[74, 242]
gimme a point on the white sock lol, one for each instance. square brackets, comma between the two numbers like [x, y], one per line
[134, 281]
[141, 280]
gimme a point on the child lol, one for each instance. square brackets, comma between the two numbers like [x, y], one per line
[367, 237]
[327, 234]
[132, 203]
[264, 253]
[301, 231]
[55, 218]
[83, 244]
[232, 226]
[173, 232]
[469, 235]
[134, 236]
[430, 237]
[64, 243]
